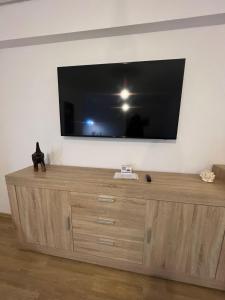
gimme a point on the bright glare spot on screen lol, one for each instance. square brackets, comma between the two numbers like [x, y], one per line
[125, 107]
[124, 94]
[89, 122]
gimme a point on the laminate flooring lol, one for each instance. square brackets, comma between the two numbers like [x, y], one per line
[26, 275]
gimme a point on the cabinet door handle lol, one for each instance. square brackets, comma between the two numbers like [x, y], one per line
[106, 242]
[34, 204]
[106, 198]
[105, 221]
[149, 235]
[68, 223]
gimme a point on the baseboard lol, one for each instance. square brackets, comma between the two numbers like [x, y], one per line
[5, 215]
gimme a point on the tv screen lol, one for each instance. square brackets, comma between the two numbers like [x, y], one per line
[121, 100]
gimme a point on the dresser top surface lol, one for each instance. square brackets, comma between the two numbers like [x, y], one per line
[92, 175]
[162, 185]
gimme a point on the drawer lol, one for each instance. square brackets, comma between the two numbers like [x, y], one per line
[110, 248]
[114, 228]
[130, 209]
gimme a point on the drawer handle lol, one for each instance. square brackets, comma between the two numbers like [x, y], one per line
[105, 221]
[149, 235]
[68, 223]
[105, 198]
[106, 242]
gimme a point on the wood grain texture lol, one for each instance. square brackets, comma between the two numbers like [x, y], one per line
[30, 211]
[219, 171]
[15, 211]
[130, 209]
[68, 210]
[44, 217]
[27, 276]
[221, 266]
[119, 229]
[185, 239]
[185, 188]
[125, 265]
[57, 216]
[124, 218]
[105, 246]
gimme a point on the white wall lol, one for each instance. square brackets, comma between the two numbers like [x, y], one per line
[29, 108]
[46, 17]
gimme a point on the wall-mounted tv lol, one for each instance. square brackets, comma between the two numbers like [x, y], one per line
[121, 100]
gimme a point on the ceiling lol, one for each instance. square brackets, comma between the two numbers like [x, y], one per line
[4, 2]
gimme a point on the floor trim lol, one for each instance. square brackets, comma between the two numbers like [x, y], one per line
[5, 215]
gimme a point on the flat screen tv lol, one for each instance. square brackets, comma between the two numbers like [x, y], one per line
[121, 100]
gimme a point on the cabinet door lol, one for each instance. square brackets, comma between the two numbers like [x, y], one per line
[183, 238]
[45, 217]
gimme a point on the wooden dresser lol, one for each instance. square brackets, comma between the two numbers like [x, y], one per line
[173, 227]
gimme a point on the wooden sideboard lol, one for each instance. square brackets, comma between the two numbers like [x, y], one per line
[173, 227]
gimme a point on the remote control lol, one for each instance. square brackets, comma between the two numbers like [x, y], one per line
[148, 178]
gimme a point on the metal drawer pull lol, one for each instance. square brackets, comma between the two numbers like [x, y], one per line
[105, 198]
[68, 223]
[105, 221]
[149, 235]
[106, 242]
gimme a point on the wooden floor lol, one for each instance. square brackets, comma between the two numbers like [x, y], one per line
[27, 275]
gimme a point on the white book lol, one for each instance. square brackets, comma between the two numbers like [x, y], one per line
[119, 175]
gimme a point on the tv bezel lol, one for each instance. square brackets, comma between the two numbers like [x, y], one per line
[119, 137]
